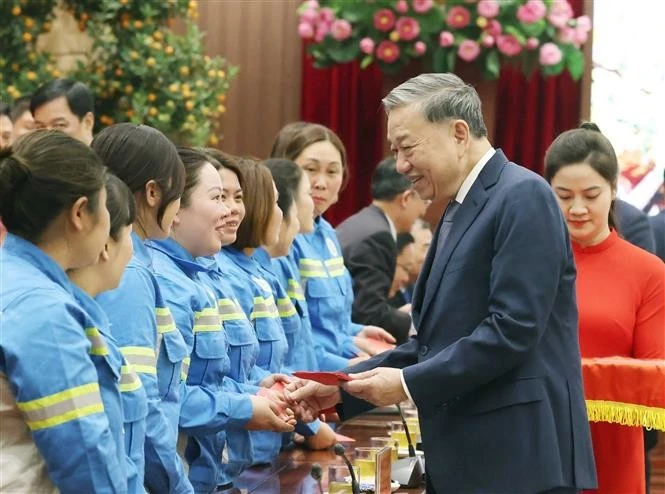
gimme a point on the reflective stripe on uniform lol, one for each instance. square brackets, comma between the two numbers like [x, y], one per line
[141, 358]
[294, 290]
[207, 320]
[335, 266]
[129, 381]
[97, 342]
[312, 268]
[65, 406]
[165, 322]
[184, 370]
[286, 307]
[229, 310]
[264, 308]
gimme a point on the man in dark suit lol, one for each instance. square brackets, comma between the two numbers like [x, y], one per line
[633, 225]
[495, 367]
[658, 227]
[368, 244]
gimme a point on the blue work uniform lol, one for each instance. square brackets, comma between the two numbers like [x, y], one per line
[211, 403]
[45, 355]
[257, 301]
[125, 400]
[144, 329]
[328, 289]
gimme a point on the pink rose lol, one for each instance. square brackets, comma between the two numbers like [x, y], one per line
[532, 11]
[387, 51]
[312, 4]
[583, 23]
[419, 47]
[508, 45]
[560, 13]
[326, 15]
[567, 35]
[305, 30]
[458, 17]
[550, 54]
[468, 50]
[488, 41]
[322, 29]
[422, 6]
[581, 36]
[367, 46]
[310, 16]
[446, 39]
[384, 20]
[340, 29]
[407, 28]
[532, 43]
[493, 28]
[402, 7]
[488, 8]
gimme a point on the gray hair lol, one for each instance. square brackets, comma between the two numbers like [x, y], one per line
[441, 97]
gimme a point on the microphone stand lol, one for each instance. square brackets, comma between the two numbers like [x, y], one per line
[408, 471]
[339, 451]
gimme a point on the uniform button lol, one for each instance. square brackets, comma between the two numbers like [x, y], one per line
[423, 350]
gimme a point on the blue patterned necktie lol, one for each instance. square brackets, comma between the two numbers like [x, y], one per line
[446, 225]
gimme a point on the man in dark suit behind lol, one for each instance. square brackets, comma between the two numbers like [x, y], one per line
[495, 367]
[633, 225]
[368, 240]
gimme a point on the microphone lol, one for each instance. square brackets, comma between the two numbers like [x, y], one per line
[317, 474]
[412, 450]
[339, 451]
[408, 471]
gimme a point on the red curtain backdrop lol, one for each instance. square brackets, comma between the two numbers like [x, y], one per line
[530, 113]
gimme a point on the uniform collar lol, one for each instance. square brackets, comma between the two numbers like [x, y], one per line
[178, 254]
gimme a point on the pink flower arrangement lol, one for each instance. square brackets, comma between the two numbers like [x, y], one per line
[484, 32]
[468, 50]
[384, 20]
[422, 6]
[488, 8]
[387, 51]
[531, 12]
[407, 28]
[550, 54]
[508, 45]
[458, 17]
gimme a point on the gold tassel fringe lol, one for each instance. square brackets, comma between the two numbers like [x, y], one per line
[626, 414]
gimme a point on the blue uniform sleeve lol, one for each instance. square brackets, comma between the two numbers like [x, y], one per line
[56, 388]
[131, 311]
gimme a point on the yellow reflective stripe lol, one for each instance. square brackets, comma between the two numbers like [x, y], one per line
[229, 310]
[264, 308]
[97, 342]
[165, 322]
[129, 381]
[311, 268]
[294, 290]
[62, 407]
[335, 266]
[184, 370]
[141, 358]
[207, 320]
[286, 307]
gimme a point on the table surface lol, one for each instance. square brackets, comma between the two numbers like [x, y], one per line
[290, 473]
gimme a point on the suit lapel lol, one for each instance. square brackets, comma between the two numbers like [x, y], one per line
[421, 282]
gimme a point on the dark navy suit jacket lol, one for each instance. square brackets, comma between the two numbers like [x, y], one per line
[495, 367]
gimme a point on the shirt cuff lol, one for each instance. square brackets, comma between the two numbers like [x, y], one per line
[406, 389]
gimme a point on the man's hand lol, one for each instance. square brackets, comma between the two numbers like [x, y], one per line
[272, 379]
[308, 398]
[377, 333]
[405, 308]
[267, 416]
[381, 386]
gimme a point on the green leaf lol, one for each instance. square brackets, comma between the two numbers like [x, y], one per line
[344, 52]
[575, 64]
[492, 64]
[452, 58]
[439, 61]
[535, 29]
[516, 33]
[366, 61]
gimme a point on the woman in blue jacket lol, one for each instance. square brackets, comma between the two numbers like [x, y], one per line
[141, 322]
[130, 404]
[51, 396]
[211, 402]
[327, 283]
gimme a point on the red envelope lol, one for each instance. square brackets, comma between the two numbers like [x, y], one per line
[328, 378]
[381, 346]
[278, 386]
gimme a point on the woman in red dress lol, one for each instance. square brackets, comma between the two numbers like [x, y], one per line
[620, 288]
